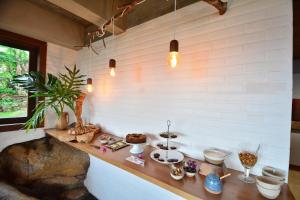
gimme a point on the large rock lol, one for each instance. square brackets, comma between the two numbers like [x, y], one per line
[8, 192]
[45, 168]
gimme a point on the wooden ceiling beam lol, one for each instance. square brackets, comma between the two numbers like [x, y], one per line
[83, 12]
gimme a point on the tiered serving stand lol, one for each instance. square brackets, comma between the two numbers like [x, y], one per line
[168, 154]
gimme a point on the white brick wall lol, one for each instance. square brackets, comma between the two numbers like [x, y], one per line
[57, 57]
[233, 87]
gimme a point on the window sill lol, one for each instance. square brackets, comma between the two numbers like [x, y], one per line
[14, 127]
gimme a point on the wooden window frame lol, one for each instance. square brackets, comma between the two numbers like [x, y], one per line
[37, 62]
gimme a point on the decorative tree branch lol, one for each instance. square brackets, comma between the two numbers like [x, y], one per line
[126, 8]
[218, 4]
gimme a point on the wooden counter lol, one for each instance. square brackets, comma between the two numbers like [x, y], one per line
[188, 188]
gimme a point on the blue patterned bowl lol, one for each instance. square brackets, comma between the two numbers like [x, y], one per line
[213, 184]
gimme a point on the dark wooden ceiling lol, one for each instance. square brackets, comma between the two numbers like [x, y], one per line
[53, 8]
[152, 9]
[146, 11]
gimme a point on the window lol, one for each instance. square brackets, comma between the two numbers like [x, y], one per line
[18, 55]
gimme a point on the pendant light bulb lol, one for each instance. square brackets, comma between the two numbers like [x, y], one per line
[89, 85]
[173, 57]
[112, 66]
[112, 72]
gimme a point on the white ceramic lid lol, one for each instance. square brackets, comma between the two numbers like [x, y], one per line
[215, 154]
[274, 173]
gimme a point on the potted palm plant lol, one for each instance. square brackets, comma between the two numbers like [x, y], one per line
[52, 93]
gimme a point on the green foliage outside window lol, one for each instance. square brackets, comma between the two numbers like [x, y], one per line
[13, 99]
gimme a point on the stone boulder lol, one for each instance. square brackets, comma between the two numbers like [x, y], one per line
[46, 169]
[8, 192]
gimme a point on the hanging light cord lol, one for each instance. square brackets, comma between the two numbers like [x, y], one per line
[113, 37]
[113, 30]
[113, 24]
[90, 48]
[175, 8]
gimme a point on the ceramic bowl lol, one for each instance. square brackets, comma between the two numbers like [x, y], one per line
[268, 183]
[213, 184]
[275, 173]
[103, 141]
[267, 193]
[214, 156]
[177, 177]
[190, 174]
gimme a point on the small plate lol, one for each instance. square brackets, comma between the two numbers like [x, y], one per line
[163, 145]
[172, 154]
[165, 135]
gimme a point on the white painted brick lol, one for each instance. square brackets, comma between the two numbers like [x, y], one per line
[278, 55]
[225, 52]
[278, 32]
[267, 45]
[246, 38]
[265, 87]
[245, 58]
[268, 23]
[276, 76]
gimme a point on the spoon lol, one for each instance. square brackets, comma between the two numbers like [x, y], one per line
[257, 149]
[225, 176]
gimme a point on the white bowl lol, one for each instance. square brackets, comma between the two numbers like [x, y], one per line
[103, 141]
[190, 174]
[275, 173]
[214, 156]
[177, 177]
[268, 183]
[267, 193]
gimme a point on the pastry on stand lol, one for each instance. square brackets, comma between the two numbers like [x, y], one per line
[137, 141]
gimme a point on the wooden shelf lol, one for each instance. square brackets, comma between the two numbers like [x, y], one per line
[188, 188]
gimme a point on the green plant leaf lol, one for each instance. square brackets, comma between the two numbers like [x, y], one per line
[57, 92]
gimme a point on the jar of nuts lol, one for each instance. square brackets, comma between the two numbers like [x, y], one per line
[248, 160]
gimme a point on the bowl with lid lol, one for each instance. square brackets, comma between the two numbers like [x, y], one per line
[268, 187]
[274, 173]
[215, 156]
